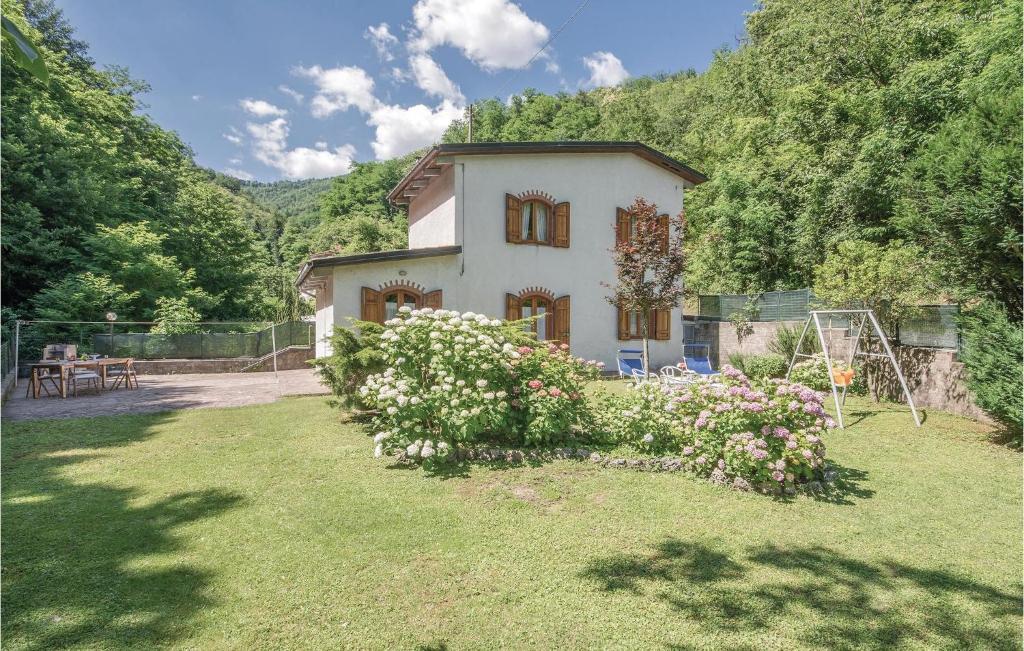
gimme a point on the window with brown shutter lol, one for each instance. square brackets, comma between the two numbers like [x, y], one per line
[432, 299]
[513, 308]
[663, 232]
[513, 219]
[623, 325]
[562, 314]
[622, 226]
[662, 324]
[370, 306]
[561, 225]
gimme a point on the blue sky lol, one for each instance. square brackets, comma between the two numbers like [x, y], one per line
[275, 89]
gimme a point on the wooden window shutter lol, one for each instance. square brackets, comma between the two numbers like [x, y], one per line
[663, 231]
[562, 319]
[513, 219]
[623, 321]
[371, 307]
[432, 299]
[662, 324]
[513, 307]
[561, 222]
[621, 226]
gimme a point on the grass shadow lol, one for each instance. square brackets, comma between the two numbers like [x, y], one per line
[82, 561]
[848, 603]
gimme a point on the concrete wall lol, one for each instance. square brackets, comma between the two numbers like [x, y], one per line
[432, 214]
[935, 377]
[489, 267]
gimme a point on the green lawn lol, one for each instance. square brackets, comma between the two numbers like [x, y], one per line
[273, 527]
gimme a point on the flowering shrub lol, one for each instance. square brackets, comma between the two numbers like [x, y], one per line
[642, 418]
[549, 393]
[730, 431]
[453, 379]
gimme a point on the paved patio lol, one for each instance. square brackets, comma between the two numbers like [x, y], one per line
[166, 392]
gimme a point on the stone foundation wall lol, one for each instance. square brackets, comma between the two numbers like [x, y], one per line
[294, 357]
[935, 377]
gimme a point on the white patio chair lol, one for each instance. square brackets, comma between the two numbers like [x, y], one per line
[675, 376]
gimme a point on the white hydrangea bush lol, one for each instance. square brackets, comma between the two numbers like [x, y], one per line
[446, 382]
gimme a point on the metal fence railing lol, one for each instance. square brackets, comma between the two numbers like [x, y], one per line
[204, 341]
[931, 326]
[770, 306]
[203, 345]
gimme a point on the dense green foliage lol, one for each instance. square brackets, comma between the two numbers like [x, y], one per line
[103, 209]
[992, 354]
[883, 121]
[760, 367]
[355, 355]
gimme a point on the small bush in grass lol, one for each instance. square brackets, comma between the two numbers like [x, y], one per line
[354, 357]
[764, 434]
[761, 367]
[455, 379]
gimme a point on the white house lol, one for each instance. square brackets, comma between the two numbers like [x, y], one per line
[513, 230]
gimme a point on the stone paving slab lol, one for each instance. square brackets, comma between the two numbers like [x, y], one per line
[167, 392]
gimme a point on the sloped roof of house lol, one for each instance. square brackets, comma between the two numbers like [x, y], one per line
[376, 256]
[427, 168]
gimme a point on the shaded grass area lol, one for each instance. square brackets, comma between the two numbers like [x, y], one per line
[272, 526]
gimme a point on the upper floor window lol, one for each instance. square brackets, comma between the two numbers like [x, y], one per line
[534, 218]
[535, 222]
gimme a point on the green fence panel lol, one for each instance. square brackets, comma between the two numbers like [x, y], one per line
[933, 327]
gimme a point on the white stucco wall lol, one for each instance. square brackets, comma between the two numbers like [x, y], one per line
[432, 213]
[478, 279]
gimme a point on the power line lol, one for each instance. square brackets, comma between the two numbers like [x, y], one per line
[551, 40]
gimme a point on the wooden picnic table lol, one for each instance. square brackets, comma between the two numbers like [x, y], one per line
[65, 368]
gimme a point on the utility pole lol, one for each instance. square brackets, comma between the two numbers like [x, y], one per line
[470, 138]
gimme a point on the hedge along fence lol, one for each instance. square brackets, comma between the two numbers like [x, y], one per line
[215, 340]
[932, 326]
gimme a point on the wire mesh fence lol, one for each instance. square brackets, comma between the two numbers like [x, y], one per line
[931, 326]
[187, 341]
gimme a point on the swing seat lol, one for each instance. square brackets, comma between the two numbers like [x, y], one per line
[843, 378]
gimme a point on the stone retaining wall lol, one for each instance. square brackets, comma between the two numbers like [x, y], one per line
[936, 378]
[294, 357]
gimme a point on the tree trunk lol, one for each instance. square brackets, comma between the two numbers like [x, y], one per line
[645, 323]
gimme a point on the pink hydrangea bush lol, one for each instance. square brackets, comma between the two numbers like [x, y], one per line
[764, 435]
[454, 379]
[548, 394]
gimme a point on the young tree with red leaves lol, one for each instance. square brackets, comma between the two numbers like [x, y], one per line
[649, 264]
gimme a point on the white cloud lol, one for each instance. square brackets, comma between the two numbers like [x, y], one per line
[340, 88]
[196, 98]
[320, 144]
[261, 108]
[403, 129]
[238, 174]
[234, 136]
[270, 146]
[235, 161]
[493, 34]
[605, 70]
[552, 67]
[383, 40]
[432, 79]
[399, 75]
[294, 94]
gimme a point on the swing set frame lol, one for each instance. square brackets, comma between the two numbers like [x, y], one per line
[866, 317]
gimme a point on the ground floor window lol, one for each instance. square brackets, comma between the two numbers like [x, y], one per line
[398, 299]
[539, 306]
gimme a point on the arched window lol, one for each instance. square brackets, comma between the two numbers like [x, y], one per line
[400, 297]
[540, 306]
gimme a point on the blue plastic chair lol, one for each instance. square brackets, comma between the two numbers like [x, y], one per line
[629, 364]
[696, 362]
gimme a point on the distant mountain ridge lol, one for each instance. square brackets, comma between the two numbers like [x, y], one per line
[288, 198]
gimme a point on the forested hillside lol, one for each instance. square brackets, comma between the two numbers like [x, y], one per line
[889, 124]
[104, 210]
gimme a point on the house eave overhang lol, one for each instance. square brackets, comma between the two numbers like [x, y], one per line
[310, 283]
[433, 162]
